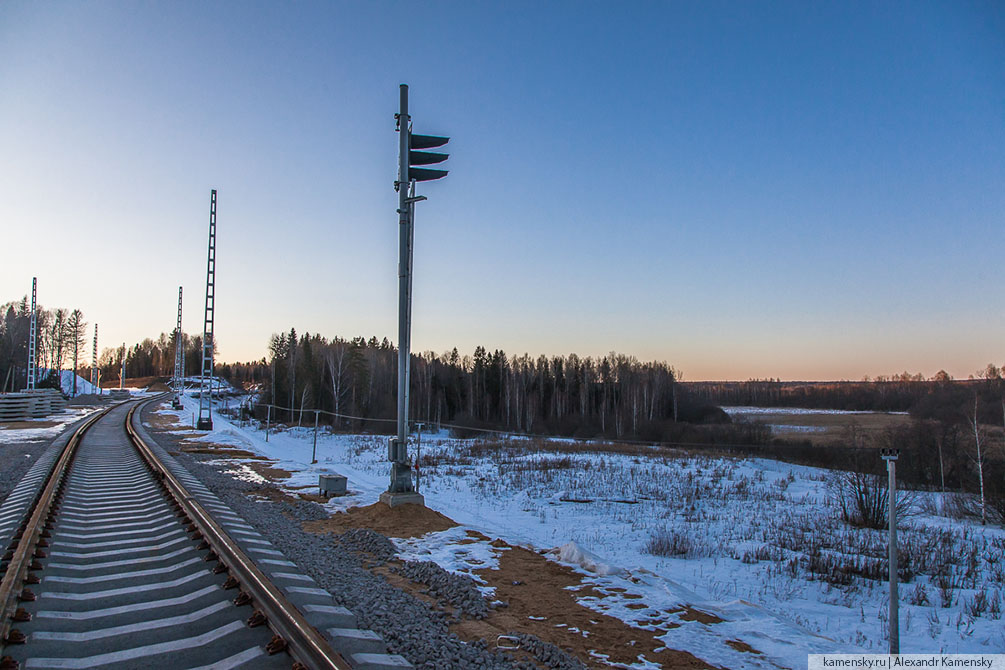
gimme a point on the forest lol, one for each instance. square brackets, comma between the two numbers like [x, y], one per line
[61, 342]
[615, 395]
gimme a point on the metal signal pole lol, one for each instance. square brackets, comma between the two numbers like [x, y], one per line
[32, 337]
[401, 474]
[401, 489]
[206, 399]
[179, 363]
[122, 374]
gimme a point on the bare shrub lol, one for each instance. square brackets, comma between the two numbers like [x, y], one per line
[862, 499]
[919, 596]
[962, 506]
[976, 606]
[947, 589]
[670, 542]
[995, 605]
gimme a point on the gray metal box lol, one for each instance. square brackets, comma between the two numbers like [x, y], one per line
[332, 485]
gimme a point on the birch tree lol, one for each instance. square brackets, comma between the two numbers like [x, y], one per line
[978, 434]
[75, 327]
[337, 366]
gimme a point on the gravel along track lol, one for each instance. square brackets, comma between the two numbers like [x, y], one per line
[17, 458]
[410, 627]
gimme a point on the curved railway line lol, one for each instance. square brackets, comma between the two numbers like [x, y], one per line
[117, 557]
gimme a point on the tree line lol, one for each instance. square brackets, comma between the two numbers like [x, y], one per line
[893, 393]
[155, 358]
[60, 343]
[614, 395]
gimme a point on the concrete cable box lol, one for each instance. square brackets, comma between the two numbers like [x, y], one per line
[332, 485]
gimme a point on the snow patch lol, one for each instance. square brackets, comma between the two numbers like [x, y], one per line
[745, 410]
[570, 552]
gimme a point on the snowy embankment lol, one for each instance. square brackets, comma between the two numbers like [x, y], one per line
[753, 546]
[66, 382]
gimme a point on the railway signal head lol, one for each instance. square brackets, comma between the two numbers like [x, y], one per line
[416, 158]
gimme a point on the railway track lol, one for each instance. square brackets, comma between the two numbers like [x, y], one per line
[117, 557]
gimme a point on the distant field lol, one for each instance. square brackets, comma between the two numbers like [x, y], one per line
[819, 427]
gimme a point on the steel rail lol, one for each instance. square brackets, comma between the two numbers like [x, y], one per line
[304, 643]
[31, 531]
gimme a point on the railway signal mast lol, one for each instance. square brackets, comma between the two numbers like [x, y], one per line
[179, 373]
[94, 361]
[402, 489]
[32, 337]
[205, 421]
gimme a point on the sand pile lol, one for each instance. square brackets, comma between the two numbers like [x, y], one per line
[400, 521]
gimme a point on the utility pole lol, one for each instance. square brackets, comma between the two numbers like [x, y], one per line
[401, 489]
[122, 374]
[179, 360]
[32, 340]
[206, 399]
[890, 456]
[94, 361]
[314, 452]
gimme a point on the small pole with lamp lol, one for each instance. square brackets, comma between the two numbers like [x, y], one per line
[890, 456]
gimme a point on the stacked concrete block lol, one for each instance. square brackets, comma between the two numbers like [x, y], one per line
[34, 404]
[15, 406]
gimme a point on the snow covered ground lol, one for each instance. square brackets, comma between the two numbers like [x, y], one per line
[219, 385]
[744, 411]
[43, 431]
[752, 542]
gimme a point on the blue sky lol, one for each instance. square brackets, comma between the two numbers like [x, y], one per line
[795, 190]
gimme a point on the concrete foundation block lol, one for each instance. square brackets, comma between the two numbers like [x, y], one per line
[394, 499]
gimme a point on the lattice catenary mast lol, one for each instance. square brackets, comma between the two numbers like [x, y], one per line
[94, 360]
[179, 363]
[32, 337]
[205, 421]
